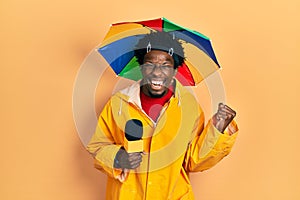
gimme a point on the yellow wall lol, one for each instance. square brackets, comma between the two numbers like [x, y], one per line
[44, 43]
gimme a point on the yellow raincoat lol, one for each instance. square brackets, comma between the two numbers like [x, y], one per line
[178, 143]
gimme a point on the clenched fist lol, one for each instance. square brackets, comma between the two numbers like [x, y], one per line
[223, 117]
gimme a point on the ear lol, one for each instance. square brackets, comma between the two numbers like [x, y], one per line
[175, 72]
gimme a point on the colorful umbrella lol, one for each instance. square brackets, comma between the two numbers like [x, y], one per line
[118, 50]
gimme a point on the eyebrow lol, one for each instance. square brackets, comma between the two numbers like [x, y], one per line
[148, 59]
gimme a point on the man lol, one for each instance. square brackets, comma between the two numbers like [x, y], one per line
[175, 140]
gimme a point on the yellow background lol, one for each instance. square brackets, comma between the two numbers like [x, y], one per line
[43, 44]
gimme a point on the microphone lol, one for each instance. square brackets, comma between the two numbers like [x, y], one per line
[133, 136]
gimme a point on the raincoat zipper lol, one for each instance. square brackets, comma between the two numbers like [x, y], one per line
[154, 127]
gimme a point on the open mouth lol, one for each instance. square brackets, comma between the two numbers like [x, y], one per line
[156, 84]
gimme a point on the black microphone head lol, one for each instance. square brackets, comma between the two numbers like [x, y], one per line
[133, 130]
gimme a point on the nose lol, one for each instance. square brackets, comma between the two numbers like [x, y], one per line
[157, 70]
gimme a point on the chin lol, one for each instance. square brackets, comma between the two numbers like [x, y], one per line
[157, 94]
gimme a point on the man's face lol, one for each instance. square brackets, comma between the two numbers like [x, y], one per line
[158, 73]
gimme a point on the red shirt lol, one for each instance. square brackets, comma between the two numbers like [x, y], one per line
[152, 106]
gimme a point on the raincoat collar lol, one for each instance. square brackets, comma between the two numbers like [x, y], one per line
[133, 93]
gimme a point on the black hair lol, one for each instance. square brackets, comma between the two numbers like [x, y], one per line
[163, 41]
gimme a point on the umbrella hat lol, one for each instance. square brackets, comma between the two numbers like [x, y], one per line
[120, 42]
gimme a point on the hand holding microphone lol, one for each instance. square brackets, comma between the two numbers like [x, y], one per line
[126, 160]
[130, 156]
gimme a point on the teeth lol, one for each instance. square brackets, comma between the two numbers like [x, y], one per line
[157, 82]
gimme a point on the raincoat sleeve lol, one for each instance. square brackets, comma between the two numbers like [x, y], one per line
[209, 146]
[102, 145]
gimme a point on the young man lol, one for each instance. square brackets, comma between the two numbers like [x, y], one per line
[175, 139]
